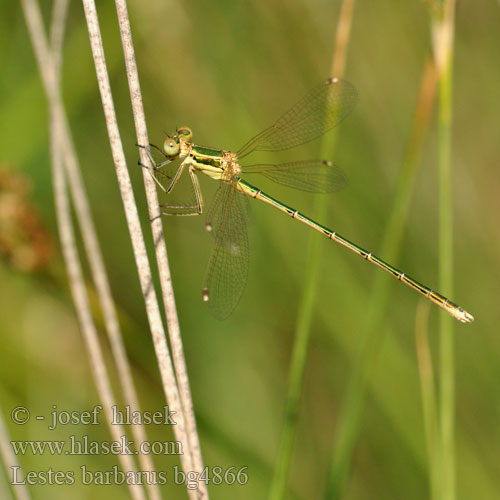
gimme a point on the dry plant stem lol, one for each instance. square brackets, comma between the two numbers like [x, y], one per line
[84, 218]
[96, 263]
[78, 291]
[9, 459]
[139, 247]
[57, 27]
[304, 316]
[100, 278]
[101, 282]
[342, 38]
[160, 245]
[47, 69]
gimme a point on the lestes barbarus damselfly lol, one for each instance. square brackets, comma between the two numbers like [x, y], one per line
[316, 113]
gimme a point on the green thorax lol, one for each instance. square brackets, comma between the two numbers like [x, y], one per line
[207, 156]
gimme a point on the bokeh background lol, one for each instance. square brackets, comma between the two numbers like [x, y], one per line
[228, 69]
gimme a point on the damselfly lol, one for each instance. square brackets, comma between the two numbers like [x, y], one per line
[317, 112]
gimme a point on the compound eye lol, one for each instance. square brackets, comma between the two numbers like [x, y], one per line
[185, 133]
[171, 147]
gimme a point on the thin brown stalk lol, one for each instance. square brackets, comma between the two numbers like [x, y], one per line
[342, 37]
[160, 245]
[57, 27]
[10, 462]
[77, 285]
[99, 274]
[86, 224]
[101, 282]
[80, 299]
[139, 247]
[93, 250]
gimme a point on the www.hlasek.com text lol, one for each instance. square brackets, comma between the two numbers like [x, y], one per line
[85, 446]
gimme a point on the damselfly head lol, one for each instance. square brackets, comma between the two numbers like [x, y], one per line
[173, 145]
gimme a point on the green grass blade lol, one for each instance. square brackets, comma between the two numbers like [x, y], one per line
[297, 366]
[446, 341]
[301, 343]
[371, 333]
[306, 307]
[443, 14]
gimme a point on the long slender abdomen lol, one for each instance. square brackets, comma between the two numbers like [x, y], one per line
[450, 307]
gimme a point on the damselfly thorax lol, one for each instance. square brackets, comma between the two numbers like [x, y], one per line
[217, 164]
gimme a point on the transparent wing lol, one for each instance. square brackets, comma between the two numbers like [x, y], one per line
[314, 176]
[317, 112]
[228, 265]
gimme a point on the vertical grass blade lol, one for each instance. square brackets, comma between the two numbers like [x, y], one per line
[443, 34]
[371, 333]
[306, 307]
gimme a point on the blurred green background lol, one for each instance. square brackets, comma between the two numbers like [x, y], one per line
[228, 69]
